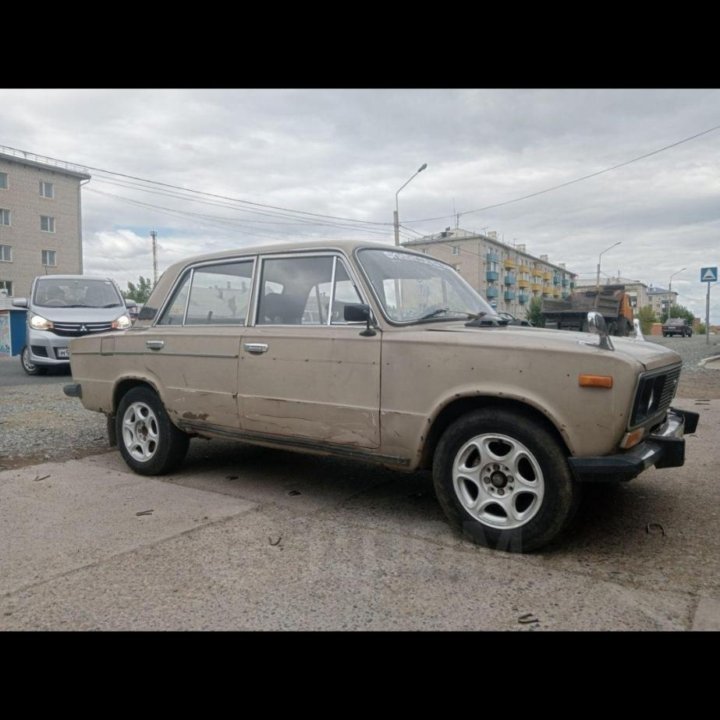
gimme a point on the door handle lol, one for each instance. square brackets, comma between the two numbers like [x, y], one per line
[255, 348]
[155, 344]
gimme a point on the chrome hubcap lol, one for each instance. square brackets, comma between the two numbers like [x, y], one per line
[498, 481]
[140, 431]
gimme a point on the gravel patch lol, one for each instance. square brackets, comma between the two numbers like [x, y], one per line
[39, 422]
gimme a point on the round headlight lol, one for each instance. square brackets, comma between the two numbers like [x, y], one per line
[122, 323]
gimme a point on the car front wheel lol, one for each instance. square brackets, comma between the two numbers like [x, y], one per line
[149, 443]
[503, 480]
[28, 365]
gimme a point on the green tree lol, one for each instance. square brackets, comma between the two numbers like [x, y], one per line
[534, 312]
[678, 311]
[646, 316]
[140, 292]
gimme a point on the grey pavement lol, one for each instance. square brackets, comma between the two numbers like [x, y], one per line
[255, 539]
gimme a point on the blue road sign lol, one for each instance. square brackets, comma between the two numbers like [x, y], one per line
[708, 274]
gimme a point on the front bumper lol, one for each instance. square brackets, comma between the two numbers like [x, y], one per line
[663, 448]
[47, 348]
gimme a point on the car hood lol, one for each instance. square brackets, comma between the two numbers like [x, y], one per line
[515, 337]
[81, 314]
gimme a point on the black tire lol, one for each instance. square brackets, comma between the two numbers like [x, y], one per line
[539, 486]
[149, 443]
[27, 365]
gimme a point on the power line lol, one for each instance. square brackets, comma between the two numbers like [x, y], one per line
[215, 195]
[576, 180]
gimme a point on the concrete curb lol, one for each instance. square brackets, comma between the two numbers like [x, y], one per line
[710, 363]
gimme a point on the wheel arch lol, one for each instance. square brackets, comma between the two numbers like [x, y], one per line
[125, 385]
[463, 405]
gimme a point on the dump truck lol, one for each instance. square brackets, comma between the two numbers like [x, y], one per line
[571, 313]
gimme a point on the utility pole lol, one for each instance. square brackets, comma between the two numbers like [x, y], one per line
[153, 235]
[396, 214]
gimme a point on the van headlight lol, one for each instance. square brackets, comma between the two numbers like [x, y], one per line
[122, 323]
[38, 322]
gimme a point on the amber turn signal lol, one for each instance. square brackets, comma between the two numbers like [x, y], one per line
[601, 381]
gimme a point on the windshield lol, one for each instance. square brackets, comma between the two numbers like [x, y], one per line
[76, 292]
[411, 288]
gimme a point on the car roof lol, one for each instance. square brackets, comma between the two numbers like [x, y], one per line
[73, 277]
[347, 246]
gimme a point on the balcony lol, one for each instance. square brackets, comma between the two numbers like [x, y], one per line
[492, 275]
[523, 283]
[536, 287]
[509, 279]
[509, 295]
[547, 276]
[565, 282]
[556, 280]
[524, 269]
[509, 264]
[491, 292]
[492, 257]
[523, 298]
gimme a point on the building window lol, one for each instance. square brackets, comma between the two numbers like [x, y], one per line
[48, 258]
[5, 253]
[6, 287]
[47, 189]
[4, 217]
[3, 181]
[47, 224]
[455, 250]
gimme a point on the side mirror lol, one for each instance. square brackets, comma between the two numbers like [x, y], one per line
[20, 302]
[359, 312]
[596, 324]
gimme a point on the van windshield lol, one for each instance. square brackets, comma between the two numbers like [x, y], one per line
[76, 292]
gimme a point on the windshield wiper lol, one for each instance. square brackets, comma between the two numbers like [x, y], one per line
[447, 311]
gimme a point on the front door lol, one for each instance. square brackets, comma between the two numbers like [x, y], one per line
[304, 372]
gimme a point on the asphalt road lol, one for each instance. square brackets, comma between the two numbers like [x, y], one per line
[11, 374]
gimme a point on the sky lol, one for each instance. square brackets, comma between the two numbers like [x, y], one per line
[285, 165]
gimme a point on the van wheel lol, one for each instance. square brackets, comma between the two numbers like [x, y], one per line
[149, 443]
[503, 480]
[27, 365]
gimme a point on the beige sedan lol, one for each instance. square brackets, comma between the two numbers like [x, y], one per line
[385, 355]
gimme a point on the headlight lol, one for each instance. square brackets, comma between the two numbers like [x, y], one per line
[122, 323]
[37, 322]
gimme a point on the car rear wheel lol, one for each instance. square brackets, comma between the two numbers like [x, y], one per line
[503, 480]
[149, 443]
[28, 365]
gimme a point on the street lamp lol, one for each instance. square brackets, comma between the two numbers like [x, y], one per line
[598, 265]
[670, 297]
[396, 220]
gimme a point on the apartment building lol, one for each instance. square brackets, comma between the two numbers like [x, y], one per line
[661, 299]
[40, 220]
[506, 275]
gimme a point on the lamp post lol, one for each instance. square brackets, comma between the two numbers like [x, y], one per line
[396, 217]
[598, 265]
[670, 297]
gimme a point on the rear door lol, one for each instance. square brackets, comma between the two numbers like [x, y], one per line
[193, 349]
